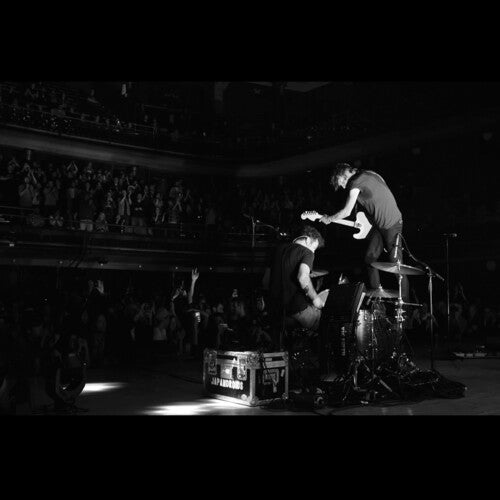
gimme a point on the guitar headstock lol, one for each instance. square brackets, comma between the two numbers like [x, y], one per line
[310, 215]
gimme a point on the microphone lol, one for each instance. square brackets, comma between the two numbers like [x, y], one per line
[398, 242]
[450, 235]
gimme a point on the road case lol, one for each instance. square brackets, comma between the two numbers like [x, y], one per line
[250, 378]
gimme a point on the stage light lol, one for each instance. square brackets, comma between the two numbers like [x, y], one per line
[102, 386]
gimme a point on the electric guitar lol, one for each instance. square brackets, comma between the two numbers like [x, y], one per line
[360, 223]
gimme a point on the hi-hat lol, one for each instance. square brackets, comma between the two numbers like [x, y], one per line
[391, 267]
[380, 293]
[316, 273]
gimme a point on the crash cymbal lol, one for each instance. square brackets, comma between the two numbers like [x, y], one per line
[391, 267]
[380, 293]
[316, 273]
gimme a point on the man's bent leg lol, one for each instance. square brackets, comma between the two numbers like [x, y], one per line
[373, 251]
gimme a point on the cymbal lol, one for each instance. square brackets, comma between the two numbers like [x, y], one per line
[380, 293]
[392, 267]
[316, 273]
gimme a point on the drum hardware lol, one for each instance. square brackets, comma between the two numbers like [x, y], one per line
[362, 377]
[380, 293]
[431, 274]
[400, 270]
[397, 268]
[373, 358]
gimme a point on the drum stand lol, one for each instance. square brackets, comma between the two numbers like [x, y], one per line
[362, 362]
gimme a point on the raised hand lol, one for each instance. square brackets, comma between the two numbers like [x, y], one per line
[194, 274]
[100, 286]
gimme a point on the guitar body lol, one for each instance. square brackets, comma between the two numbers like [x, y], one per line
[364, 226]
[360, 223]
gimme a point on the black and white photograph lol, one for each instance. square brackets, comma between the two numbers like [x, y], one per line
[249, 248]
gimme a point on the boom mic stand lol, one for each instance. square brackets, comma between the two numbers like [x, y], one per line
[448, 236]
[257, 222]
[430, 274]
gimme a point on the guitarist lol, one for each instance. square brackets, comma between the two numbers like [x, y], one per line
[290, 288]
[372, 192]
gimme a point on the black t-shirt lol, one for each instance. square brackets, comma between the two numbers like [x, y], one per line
[284, 286]
[376, 198]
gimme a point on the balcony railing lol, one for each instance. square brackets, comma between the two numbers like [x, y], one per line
[13, 219]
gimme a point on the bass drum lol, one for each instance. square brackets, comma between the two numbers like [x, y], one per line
[374, 337]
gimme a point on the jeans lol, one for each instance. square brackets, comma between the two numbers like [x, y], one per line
[377, 239]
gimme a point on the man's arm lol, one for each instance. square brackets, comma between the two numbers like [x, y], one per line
[344, 212]
[304, 277]
[194, 276]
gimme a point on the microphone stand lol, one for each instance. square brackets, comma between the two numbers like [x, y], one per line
[447, 288]
[256, 222]
[431, 274]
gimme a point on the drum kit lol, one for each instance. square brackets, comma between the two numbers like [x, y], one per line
[377, 356]
[374, 343]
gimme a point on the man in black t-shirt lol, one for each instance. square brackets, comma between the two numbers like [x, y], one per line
[290, 286]
[371, 191]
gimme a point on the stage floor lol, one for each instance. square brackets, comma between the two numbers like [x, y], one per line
[174, 388]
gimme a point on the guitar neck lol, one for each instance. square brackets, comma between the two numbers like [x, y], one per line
[345, 222]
